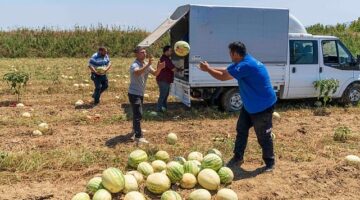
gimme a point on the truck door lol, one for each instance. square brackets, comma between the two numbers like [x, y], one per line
[304, 68]
[337, 63]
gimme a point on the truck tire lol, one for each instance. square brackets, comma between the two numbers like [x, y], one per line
[351, 95]
[231, 100]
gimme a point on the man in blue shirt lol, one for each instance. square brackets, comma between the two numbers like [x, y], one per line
[99, 59]
[258, 99]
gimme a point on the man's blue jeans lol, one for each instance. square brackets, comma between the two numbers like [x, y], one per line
[101, 84]
[164, 89]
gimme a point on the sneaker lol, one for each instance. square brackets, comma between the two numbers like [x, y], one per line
[141, 141]
[234, 162]
[269, 168]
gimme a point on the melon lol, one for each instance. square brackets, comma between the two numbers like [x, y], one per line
[226, 194]
[174, 171]
[137, 157]
[158, 183]
[182, 48]
[113, 180]
[102, 194]
[158, 165]
[276, 115]
[37, 133]
[101, 70]
[26, 114]
[138, 176]
[188, 181]
[81, 196]
[226, 175]
[94, 185]
[171, 138]
[170, 195]
[200, 194]
[215, 151]
[162, 155]
[180, 160]
[134, 195]
[192, 167]
[43, 127]
[79, 103]
[352, 160]
[212, 161]
[209, 179]
[195, 156]
[130, 184]
[20, 105]
[145, 169]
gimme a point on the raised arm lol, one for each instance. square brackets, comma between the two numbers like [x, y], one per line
[220, 74]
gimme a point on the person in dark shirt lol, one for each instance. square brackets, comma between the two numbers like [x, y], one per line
[165, 78]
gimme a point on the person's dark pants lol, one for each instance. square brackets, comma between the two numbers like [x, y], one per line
[136, 103]
[164, 89]
[101, 84]
[262, 123]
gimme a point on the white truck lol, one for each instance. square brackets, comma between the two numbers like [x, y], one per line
[294, 58]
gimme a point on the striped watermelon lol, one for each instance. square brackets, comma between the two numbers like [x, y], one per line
[188, 181]
[158, 183]
[170, 195]
[137, 157]
[209, 179]
[130, 184]
[138, 176]
[81, 196]
[174, 171]
[226, 175]
[180, 160]
[94, 185]
[226, 194]
[113, 180]
[195, 156]
[158, 165]
[102, 194]
[200, 194]
[134, 195]
[145, 168]
[192, 167]
[215, 151]
[212, 161]
[162, 155]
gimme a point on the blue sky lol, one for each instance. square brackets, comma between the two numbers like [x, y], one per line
[147, 14]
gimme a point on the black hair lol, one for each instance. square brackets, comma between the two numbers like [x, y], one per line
[238, 47]
[166, 48]
[138, 49]
[102, 48]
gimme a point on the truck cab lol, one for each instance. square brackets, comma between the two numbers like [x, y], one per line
[294, 58]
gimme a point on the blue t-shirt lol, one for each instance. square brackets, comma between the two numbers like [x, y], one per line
[98, 61]
[255, 87]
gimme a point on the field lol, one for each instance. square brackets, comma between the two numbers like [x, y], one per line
[83, 142]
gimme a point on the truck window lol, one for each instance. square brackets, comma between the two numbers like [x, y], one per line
[303, 52]
[336, 55]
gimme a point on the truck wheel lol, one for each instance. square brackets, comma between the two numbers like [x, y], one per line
[231, 100]
[351, 94]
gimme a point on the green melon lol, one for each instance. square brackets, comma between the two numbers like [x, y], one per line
[226, 175]
[174, 171]
[226, 194]
[209, 179]
[158, 183]
[130, 184]
[137, 157]
[158, 165]
[215, 151]
[162, 155]
[171, 138]
[195, 156]
[94, 185]
[188, 181]
[212, 161]
[134, 195]
[192, 167]
[170, 195]
[145, 169]
[138, 176]
[180, 160]
[113, 180]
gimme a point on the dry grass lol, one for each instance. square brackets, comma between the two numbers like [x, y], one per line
[83, 142]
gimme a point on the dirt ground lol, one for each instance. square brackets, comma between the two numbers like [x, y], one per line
[85, 141]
